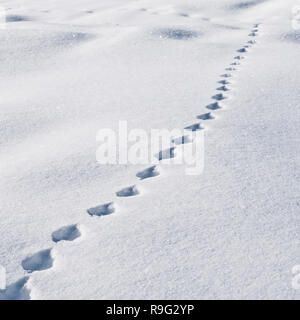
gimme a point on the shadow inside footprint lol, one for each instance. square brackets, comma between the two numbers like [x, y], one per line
[242, 50]
[102, 210]
[194, 127]
[148, 173]
[219, 97]
[68, 233]
[239, 58]
[230, 69]
[206, 116]
[16, 291]
[224, 82]
[214, 106]
[223, 88]
[128, 192]
[226, 75]
[41, 260]
[182, 140]
[166, 154]
[15, 18]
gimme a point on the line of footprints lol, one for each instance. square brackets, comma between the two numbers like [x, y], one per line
[43, 259]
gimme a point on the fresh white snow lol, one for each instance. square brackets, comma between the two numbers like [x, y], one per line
[72, 228]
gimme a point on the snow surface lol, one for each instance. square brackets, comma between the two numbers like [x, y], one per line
[69, 68]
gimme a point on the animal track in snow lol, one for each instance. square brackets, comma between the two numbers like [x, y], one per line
[224, 82]
[128, 192]
[16, 291]
[148, 173]
[206, 116]
[214, 106]
[16, 18]
[194, 127]
[226, 75]
[102, 210]
[182, 14]
[239, 58]
[220, 96]
[41, 260]
[243, 50]
[230, 69]
[182, 140]
[67, 233]
[166, 154]
[223, 88]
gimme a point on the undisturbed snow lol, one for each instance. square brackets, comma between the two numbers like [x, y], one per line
[69, 68]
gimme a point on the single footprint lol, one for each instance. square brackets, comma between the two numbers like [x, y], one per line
[226, 75]
[102, 210]
[41, 260]
[219, 97]
[223, 88]
[68, 233]
[230, 69]
[243, 50]
[235, 63]
[148, 173]
[16, 18]
[128, 192]
[182, 140]
[16, 291]
[194, 127]
[214, 106]
[239, 58]
[252, 34]
[206, 116]
[166, 154]
[252, 41]
[183, 15]
[224, 82]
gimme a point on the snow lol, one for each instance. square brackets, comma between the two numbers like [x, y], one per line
[71, 68]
